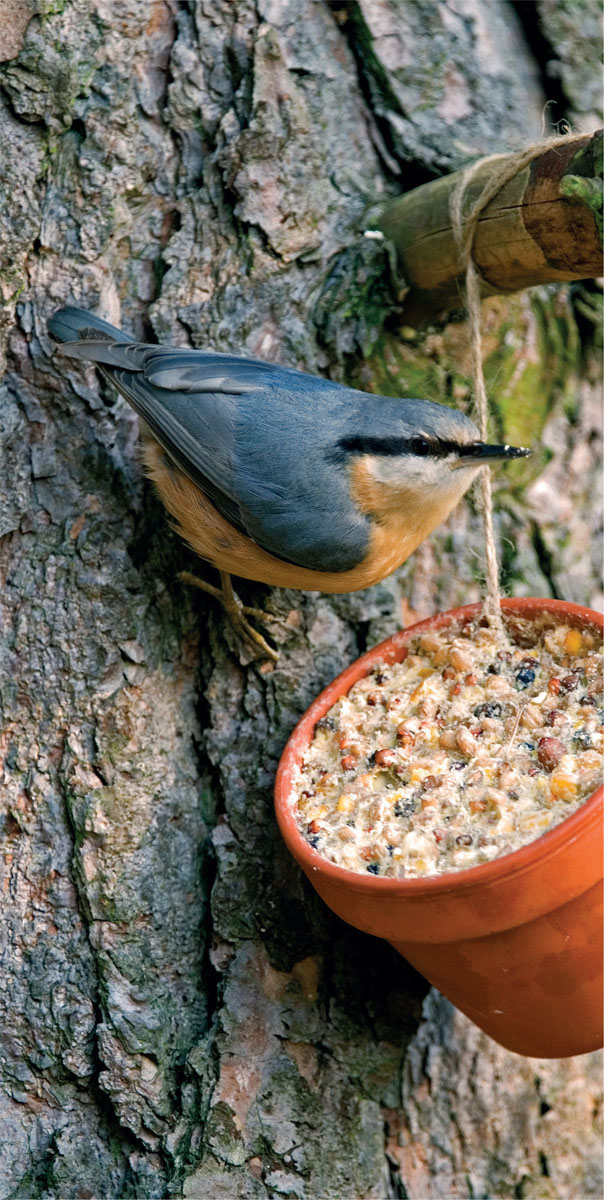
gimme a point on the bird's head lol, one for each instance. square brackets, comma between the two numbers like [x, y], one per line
[423, 462]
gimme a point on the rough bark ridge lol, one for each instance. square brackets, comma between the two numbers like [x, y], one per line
[180, 1016]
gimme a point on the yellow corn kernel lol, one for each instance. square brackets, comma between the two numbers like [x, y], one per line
[367, 781]
[417, 774]
[563, 788]
[589, 760]
[573, 641]
[536, 821]
[345, 803]
[431, 734]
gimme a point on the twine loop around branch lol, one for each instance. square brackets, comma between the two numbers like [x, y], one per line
[464, 230]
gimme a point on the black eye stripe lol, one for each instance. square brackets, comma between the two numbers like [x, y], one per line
[393, 447]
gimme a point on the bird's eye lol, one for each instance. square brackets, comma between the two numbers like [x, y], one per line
[420, 445]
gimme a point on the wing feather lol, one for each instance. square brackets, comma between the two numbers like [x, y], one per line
[198, 438]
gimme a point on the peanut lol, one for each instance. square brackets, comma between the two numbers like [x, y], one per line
[385, 758]
[429, 642]
[496, 685]
[460, 659]
[447, 739]
[532, 717]
[465, 742]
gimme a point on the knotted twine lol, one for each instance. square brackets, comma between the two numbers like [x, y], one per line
[464, 231]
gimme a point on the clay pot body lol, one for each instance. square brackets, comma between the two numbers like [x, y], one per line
[516, 943]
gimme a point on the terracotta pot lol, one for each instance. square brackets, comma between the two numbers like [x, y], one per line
[516, 943]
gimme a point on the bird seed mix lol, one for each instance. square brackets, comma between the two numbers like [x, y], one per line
[461, 753]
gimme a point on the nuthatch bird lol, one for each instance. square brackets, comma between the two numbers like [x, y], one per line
[279, 476]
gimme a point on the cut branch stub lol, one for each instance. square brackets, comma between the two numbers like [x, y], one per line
[536, 230]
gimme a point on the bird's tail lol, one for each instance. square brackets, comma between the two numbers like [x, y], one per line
[74, 324]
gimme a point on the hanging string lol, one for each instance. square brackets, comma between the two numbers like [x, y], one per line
[464, 231]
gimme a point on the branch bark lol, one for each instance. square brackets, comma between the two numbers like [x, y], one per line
[544, 226]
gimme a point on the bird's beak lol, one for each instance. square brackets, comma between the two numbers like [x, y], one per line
[476, 452]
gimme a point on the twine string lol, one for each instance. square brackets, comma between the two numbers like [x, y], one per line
[464, 230]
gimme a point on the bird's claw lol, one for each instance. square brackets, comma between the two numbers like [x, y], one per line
[236, 611]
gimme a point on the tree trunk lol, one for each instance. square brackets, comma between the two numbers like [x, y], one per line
[181, 1016]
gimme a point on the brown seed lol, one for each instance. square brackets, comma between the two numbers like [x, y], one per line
[464, 839]
[568, 683]
[449, 673]
[555, 716]
[386, 758]
[314, 826]
[373, 698]
[405, 736]
[429, 782]
[477, 805]
[549, 752]
[471, 680]
[554, 686]
[349, 762]
[455, 690]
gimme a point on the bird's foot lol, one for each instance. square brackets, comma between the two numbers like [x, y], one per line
[235, 610]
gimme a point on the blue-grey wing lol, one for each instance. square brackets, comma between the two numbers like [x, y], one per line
[261, 457]
[197, 436]
[293, 491]
[254, 436]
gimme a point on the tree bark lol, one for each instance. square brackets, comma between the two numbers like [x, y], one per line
[180, 1015]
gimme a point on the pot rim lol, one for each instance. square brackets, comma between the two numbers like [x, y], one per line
[472, 878]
